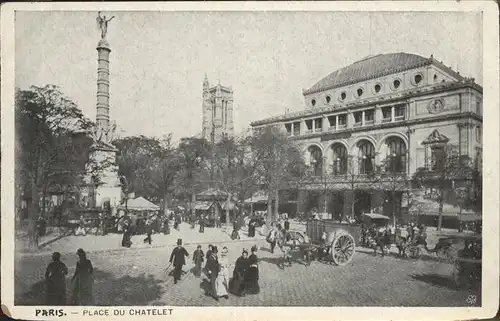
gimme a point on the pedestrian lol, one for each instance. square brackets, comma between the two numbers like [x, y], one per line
[272, 236]
[82, 280]
[212, 264]
[220, 283]
[149, 230]
[55, 281]
[126, 239]
[237, 282]
[133, 224]
[198, 258]
[80, 230]
[209, 252]
[252, 276]
[192, 218]
[251, 228]
[202, 224]
[287, 224]
[177, 258]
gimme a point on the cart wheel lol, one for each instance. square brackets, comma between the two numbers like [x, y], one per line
[343, 248]
[415, 252]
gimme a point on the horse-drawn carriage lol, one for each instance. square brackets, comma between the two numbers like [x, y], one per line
[325, 240]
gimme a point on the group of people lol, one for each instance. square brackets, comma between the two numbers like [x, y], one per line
[82, 281]
[245, 277]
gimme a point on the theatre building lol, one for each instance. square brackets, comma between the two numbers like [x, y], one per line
[395, 111]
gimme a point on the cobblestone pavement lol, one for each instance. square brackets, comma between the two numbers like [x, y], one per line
[137, 277]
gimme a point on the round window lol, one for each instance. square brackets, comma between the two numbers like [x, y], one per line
[417, 79]
[328, 98]
[377, 88]
[343, 96]
[359, 92]
[396, 83]
[313, 102]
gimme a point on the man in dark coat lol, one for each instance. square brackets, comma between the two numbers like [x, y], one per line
[202, 224]
[177, 258]
[149, 230]
[287, 224]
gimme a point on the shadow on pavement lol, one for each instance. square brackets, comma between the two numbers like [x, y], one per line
[435, 279]
[107, 290]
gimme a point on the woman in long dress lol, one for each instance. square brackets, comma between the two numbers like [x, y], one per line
[82, 280]
[237, 283]
[220, 283]
[55, 279]
[252, 276]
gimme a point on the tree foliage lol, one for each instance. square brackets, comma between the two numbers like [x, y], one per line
[52, 144]
[280, 164]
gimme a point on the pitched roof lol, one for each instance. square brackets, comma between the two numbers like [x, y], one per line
[436, 137]
[368, 68]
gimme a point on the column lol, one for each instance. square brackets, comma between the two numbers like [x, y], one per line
[378, 115]
[302, 127]
[350, 119]
[326, 123]
[393, 113]
[337, 123]
[313, 126]
[363, 118]
[291, 128]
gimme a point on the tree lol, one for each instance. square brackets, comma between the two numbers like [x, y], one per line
[388, 178]
[279, 163]
[137, 161]
[234, 168]
[195, 167]
[52, 144]
[150, 166]
[439, 176]
[167, 163]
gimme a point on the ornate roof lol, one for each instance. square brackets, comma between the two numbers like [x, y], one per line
[368, 68]
[436, 137]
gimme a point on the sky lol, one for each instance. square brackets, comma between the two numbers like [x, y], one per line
[159, 59]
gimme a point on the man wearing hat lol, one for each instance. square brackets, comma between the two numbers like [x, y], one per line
[178, 259]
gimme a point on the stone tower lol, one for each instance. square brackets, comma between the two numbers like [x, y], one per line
[217, 111]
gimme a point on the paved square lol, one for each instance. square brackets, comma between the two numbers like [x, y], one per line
[137, 277]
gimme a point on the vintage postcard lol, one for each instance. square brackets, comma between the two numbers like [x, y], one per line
[250, 161]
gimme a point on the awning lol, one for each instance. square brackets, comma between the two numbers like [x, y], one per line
[140, 204]
[376, 216]
[259, 197]
[202, 206]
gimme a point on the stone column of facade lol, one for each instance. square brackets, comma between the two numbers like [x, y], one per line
[350, 119]
[303, 127]
[325, 125]
[377, 117]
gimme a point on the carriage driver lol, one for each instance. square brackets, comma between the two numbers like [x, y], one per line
[323, 249]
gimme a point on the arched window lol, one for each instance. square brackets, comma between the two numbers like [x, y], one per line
[396, 155]
[366, 157]
[339, 159]
[316, 160]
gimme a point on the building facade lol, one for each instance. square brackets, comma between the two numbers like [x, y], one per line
[217, 111]
[396, 111]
